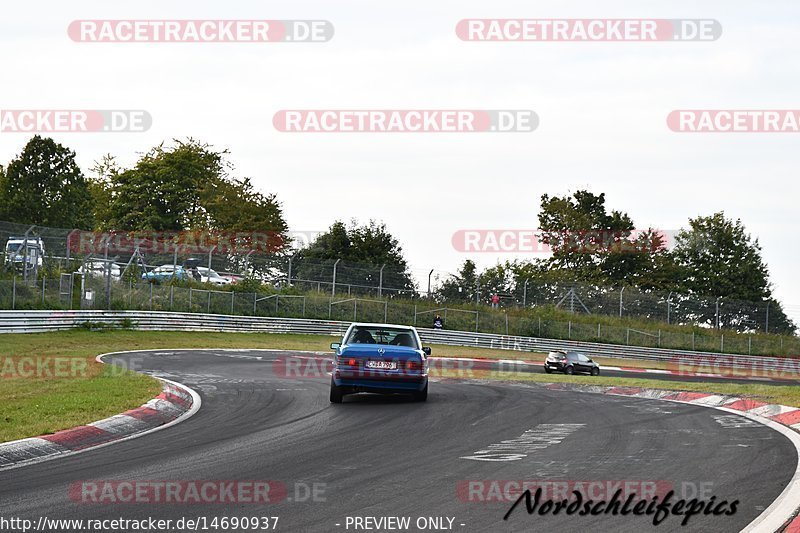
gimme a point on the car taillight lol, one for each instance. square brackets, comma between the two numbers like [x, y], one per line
[351, 362]
[414, 365]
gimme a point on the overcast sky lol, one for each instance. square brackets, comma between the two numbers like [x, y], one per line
[602, 110]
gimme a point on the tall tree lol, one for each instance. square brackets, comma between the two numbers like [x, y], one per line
[598, 246]
[186, 186]
[44, 185]
[362, 249]
[721, 260]
[462, 286]
[166, 189]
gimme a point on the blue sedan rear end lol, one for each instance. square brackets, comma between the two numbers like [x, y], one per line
[380, 358]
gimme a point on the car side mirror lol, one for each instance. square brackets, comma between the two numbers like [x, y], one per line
[426, 350]
[335, 345]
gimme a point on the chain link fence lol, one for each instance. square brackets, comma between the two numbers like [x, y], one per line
[49, 268]
[87, 292]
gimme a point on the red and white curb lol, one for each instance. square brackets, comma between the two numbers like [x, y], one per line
[510, 364]
[780, 515]
[175, 404]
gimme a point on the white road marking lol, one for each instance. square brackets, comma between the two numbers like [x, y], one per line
[541, 437]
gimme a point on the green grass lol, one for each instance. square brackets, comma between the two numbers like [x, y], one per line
[37, 406]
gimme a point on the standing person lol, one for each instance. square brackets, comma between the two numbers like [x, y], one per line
[438, 323]
[495, 301]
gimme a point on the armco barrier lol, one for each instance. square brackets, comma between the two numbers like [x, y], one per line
[40, 321]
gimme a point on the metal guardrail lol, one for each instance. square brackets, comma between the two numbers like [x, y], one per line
[40, 321]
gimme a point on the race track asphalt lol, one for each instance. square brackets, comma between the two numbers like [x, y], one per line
[375, 456]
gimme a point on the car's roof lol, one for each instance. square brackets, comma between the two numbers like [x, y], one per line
[376, 325]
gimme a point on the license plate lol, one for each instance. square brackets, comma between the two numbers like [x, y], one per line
[382, 365]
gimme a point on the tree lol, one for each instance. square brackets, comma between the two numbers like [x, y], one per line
[602, 248]
[45, 186]
[180, 188]
[166, 190]
[460, 287]
[362, 249]
[721, 260]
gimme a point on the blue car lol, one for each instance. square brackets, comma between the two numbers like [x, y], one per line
[166, 273]
[380, 358]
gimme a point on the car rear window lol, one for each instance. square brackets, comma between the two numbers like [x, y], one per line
[378, 335]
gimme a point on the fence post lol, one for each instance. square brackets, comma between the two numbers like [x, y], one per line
[44, 281]
[693, 341]
[304, 306]
[669, 299]
[506, 324]
[525, 294]
[569, 329]
[415, 314]
[171, 296]
[355, 310]
[190, 299]
[386, 311]
[749, 344]
[14, 293]
[255, 301]
[716, 314]
[208, 306]
[151, 296]
[722, 342]
[540, 327]
[333, 288]
[659, 338]
[598, 331]
[476, 320]
[233, 295]
[627, 336]
[380, 281]
[620, 301]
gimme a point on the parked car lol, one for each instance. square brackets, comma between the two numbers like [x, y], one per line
[233, 278]
[570, 363]
[22, 253]
[97, 269]
[166, 273]
[208, 275]
[380, 358]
